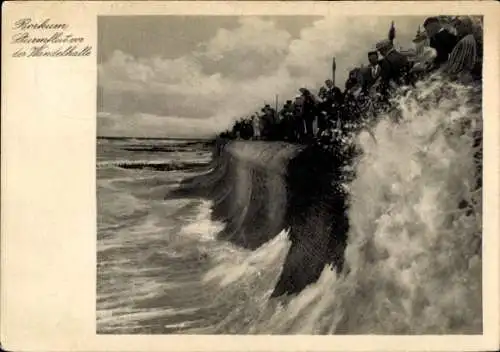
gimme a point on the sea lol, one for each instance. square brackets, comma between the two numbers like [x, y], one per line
[413, 258]
[160, 267]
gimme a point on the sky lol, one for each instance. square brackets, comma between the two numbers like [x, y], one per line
[193, 76]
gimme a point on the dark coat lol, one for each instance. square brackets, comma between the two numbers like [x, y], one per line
[367, 78]
[309, 106]
[394, 67]
[443, 42]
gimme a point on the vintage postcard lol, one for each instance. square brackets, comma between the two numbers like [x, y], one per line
[250, 176]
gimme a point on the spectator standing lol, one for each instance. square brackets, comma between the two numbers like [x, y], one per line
[298, 113]
[325, 108]
[286, 122]
[353, 80]
[256, 126]
[332, 90]
[270, 119]
[309, 103]
[333, 102]
[463, 58]
[440, 39]
[394, 67]
[265, 122]
[371, 73]
[423, 56]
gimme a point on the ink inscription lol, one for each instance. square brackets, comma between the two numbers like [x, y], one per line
[46, 38]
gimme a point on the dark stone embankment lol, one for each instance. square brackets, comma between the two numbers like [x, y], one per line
[260, 188]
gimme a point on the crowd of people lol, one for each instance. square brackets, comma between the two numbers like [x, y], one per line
[449, 47]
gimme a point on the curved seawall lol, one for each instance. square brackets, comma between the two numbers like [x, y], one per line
[260, 188]
[407, 252]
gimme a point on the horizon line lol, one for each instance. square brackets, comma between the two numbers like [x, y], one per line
[175, 138]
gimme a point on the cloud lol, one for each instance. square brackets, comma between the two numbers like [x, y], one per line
[348, 39]
[255, 48]
[147, 125]
[234, 73]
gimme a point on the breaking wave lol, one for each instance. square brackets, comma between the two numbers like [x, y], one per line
[396, 250]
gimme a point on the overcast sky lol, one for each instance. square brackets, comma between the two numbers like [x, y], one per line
[191, 76]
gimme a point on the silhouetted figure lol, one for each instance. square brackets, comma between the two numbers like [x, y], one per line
[440, 39]
[246, 129]
[299, 126]
[330, 106]
[371, 73]
[286, 124]
[331, 87]
[352, 80]
[255, 120]
[323, 93]
[268, 122]
[394, 67]
[422, 58]
[333, 93]
[308, 112]
[324, 109]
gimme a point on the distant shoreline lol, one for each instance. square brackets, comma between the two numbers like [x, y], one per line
[160, 138]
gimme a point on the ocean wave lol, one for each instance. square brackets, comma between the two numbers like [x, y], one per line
[395, 251]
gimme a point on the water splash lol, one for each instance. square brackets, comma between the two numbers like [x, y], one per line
[413, 260]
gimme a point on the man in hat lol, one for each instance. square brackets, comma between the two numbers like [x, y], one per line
[423, 56]
[332, 90]
[331, 104]
[442, 40]
[329, 93]
[309, 103]
[324, 109]
[353, 80]
[371, 73]
[298, 122]
[394, 65]
[286, 121]
[266, 121]
[256, 126]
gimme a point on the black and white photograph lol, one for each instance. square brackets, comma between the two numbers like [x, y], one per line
[289, 175]
[250, 176]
